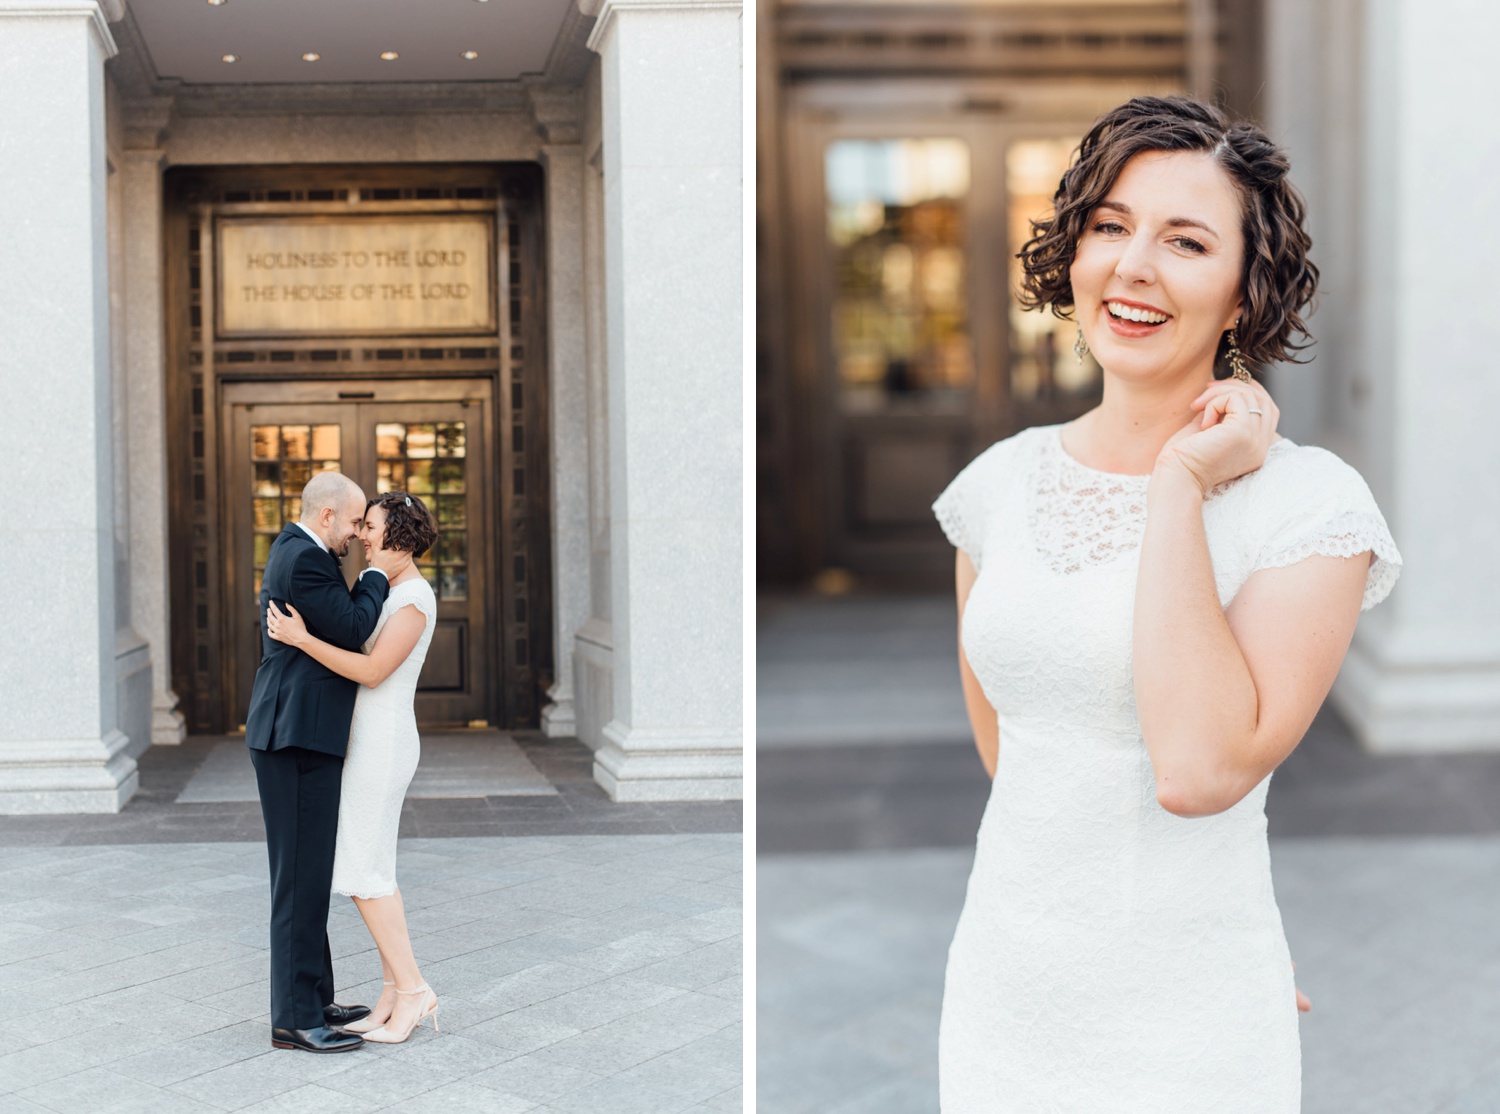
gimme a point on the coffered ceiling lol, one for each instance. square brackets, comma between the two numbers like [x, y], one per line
[189, 40]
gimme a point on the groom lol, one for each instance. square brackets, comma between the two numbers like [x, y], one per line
[297, 731]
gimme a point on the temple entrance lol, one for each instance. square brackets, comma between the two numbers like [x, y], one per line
[386, 322]
[431, 438]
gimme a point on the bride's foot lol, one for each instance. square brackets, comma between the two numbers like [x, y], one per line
[380, 1013]
[412, 1006]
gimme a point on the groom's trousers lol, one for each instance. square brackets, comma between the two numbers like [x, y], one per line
[299, 799]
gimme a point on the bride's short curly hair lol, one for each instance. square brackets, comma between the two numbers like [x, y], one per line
[1279, 280]
[409, 525]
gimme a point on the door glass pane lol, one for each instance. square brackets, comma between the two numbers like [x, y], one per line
[425, 458]
[1043, 365]
[419, 477]
[450, 439]
[900, 307]
[284, 458]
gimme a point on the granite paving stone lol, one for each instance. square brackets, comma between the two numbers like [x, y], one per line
[522, 1031]
[730, 1101]
[536, 1079]
[535, 984]
[617, 1096]
[145, 936]
[670, 1073]
[466, 1096]
[695, 969]
[177, 1012]
[375, 1080]
[310, 1098]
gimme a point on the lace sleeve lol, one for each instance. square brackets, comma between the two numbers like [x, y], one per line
[962, 509]
[1326, 509]
[421, 597]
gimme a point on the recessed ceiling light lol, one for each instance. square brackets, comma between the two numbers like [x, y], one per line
[216, 3]
[229, 58]
[311, 56]
[470, 55]
[389, 55]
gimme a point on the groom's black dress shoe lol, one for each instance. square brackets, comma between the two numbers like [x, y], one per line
[336, 1014]
[321, 1039]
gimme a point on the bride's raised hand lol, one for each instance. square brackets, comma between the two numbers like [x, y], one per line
[1230, 434]
[283, 627]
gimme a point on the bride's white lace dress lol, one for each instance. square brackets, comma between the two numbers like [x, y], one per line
[1112, 957]
[382, 757]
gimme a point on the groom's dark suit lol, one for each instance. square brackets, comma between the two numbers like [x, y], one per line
[298, 731]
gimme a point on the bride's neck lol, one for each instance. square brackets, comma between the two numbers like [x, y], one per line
[1132, 422]
[404, 571]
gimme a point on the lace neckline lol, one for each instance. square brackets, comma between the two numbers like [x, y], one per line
[1082, 517]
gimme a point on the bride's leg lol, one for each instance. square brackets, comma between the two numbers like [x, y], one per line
[380, 1012]
[386, 919]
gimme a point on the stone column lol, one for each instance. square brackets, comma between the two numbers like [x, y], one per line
[670, 97]
[143, 160]
[1411, 383]
[557, 115]
[61, 749]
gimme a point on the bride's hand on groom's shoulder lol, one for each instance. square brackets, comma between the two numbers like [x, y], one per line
[284, 627]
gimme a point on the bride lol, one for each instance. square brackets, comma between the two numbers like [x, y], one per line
[1154, 600]
[383, 752]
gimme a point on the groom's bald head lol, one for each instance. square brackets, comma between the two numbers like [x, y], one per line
[333, 507]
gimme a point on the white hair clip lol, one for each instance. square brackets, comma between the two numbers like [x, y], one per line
[408, 500]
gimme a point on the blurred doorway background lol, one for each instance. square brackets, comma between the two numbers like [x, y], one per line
[902, 149]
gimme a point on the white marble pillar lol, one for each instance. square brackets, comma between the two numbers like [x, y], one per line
[557, 114]
[1411, 384]
[670, 92]
[142, 162]
[61, 749]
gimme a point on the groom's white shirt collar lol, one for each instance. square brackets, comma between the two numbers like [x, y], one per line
[313, 536]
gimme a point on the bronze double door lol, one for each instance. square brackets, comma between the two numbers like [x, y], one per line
[432, 438]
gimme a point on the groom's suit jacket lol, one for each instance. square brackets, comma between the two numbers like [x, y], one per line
[297, 702]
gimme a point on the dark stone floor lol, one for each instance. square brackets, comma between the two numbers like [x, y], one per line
[580, 807]
[849, 798]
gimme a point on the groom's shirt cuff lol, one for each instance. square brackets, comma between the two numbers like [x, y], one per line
[372, 568]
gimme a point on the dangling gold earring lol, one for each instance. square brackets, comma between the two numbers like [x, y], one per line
[1080, 347]
[1237, 366]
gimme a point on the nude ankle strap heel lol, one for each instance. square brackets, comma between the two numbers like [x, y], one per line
[430, 1011]
[368, 1024]
[387, 1036]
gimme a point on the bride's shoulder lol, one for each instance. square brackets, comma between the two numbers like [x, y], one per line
[415, 591]
[1008, 450]
[977, 496]
[1295, 471]
[1306, 501]
[1297, 485]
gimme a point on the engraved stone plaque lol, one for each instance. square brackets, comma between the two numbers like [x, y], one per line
[347, 276]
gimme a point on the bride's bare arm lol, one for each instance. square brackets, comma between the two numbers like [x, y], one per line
[396, 641]
[982, 716]
[1224, 697]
